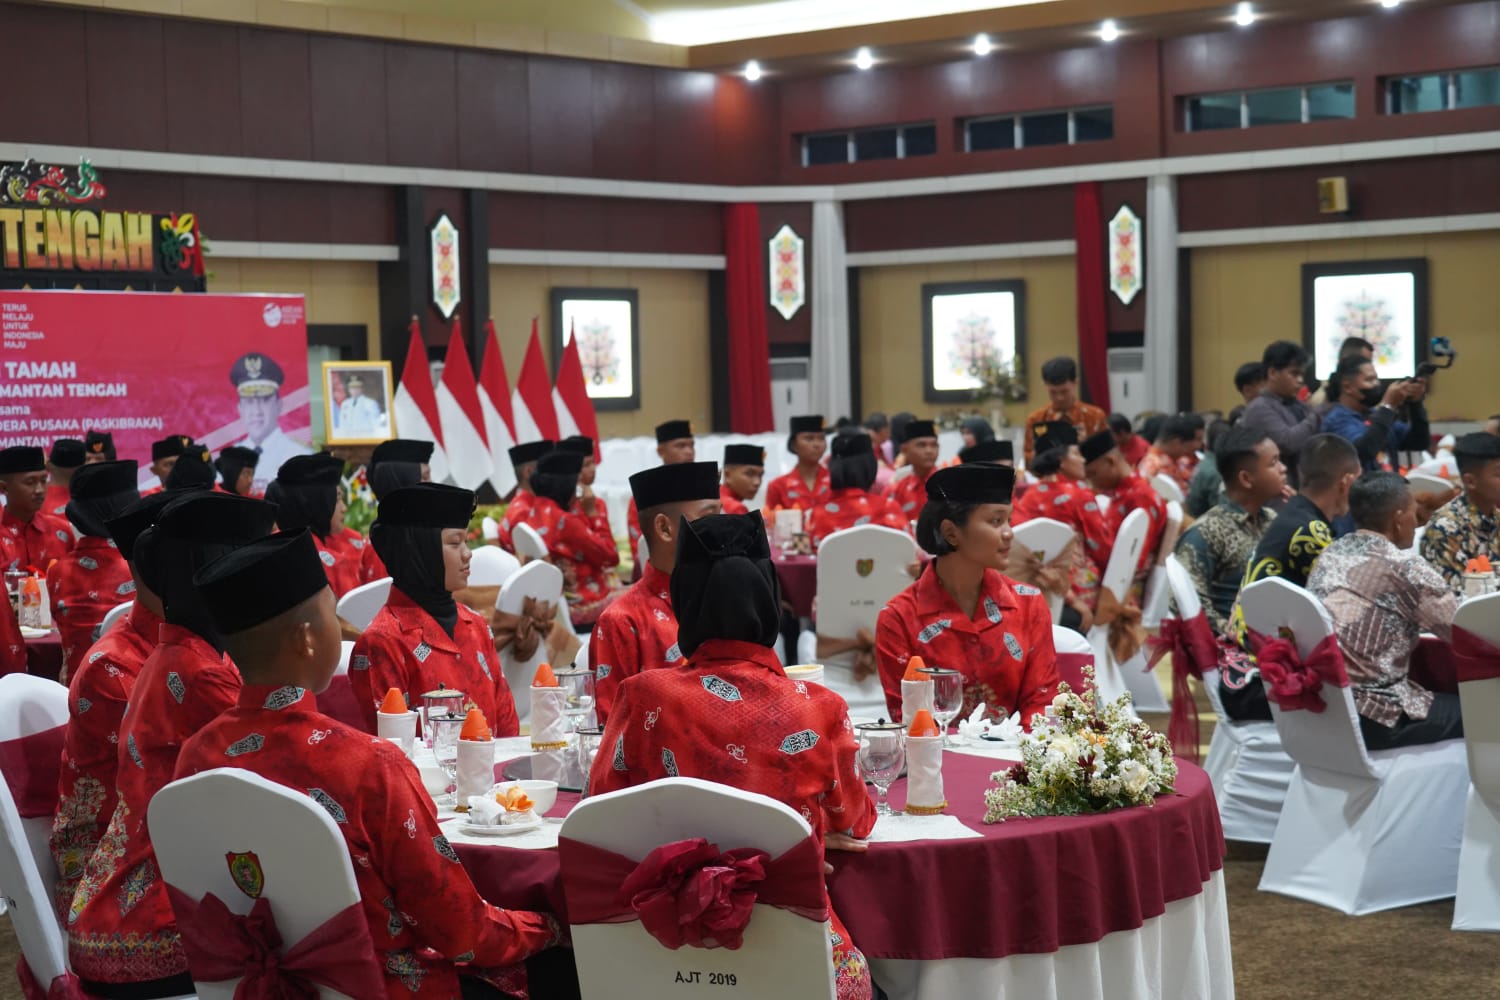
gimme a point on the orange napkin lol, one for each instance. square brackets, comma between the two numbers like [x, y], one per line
[922, 724]
[544, 678]
[393, 703]
[1479, 565]
[475, 728]
[514, 800]
[916, 670]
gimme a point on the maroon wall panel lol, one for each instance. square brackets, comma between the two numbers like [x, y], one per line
[561, 122]
[682, 143]
[945, 220]
[127, 86]
[750, 146]
[493, 112]
[275, 94]
[623, 123]
[797, 330]
[349, 100]
[422, 106]
[226, 207]
[46, 48]
[203, 88]
[604, 225]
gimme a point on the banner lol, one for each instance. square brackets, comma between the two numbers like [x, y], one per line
[224, 369]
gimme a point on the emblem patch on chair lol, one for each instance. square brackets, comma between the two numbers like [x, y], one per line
[247, 874]
[864, 567]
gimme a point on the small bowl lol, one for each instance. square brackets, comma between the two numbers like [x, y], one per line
[806, 672]
[542, 793]
[434, 778]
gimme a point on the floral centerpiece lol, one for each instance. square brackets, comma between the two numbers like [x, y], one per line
[360, 500]
[1080, 760]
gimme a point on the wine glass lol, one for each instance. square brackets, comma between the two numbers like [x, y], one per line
[445, 734]
[578, 683]
[589, 738]
[882, 755]
[947, 697]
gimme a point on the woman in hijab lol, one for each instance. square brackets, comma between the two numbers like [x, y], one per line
[583, 550]
[851, 474]
[92, 577]
[236, 467]
[730, 713]
[393, 464]
[423, 638]
[307, 494]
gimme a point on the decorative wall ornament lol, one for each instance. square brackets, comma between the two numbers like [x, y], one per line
[606, 322]
[446, 292]
[973, 336]
[32, 183]
[788, 273]
[1126, 264]
[1381, 301]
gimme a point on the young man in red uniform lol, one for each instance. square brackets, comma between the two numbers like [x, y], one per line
[1061, 494]
[675, 445]
[1110, 474]
[122, 936]
[306, 494]
[65, 458]
[963, 612]
[584, 550]
[97, 695]
[744, 469]
[639, 630]
[92, 578]
[423, 637]
[807, 484]
[29, 538]
[849, 503]
[192, 470]
[429, 925]
[523, 458]
[236, 468]
[919, 445]
[393, 464]
[164, 455]
[592, 507]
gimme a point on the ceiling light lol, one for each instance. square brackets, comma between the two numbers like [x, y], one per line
[863, 59]
[982, 45]
[1390, 3]
[1109, 30]
[1244, 15]
[752, 71]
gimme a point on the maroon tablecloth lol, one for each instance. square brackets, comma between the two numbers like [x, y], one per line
[799, 582]
[1026, 886]
[44, 656]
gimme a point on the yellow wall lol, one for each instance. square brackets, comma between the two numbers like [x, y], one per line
[1246, 297]
[337, 291]
[674, 335]
[890, 318]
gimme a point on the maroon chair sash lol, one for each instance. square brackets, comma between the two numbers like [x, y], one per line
[687, 892]
[64, 987]
[1070, 669]
[222, 945]
[1476, 658]
[1292, 682]
[31, 766]
[1194, 650]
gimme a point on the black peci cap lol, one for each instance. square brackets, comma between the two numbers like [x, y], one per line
[127, 526]
[1098, 446]
[673, 430]
[1053, 434]
[530, 451]
[744, 454]
[578, 444]
[679, 483]
[100, 443]
[170, 446]
[560, 463]
[988, 451]
[918, 429]
[311, 470]
[254, 583]
[66, 453]
[402, 450]
[210, 516]
[978, 482]
[22, 458]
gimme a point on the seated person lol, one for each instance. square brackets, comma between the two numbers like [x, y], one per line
[675, 445]
[192, 470]
[393, 464]
[962, 612]
[272, 603]
[523, 459]
[423, 637]
[807, 484]
[744, 469]
[28, 536]
[164, 455]
[1364, 413]
[307, 494]
[584, 550]
[919, 447]
[592, 507]
[1131, 445]
[1382, 597]
[993, 451]
[732, 692]
[236, 468]
[849, 503]
[1175, 451]
[92, 577]
[1207, 487]
[1061, 495]
[63, 459]
[1466, 527]
[1108, 473]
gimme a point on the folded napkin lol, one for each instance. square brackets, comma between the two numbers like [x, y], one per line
[924, 776]
[915, 696]
[977, 727]
[491, 810]
[476, 767]
[402, 726]
[549, 726]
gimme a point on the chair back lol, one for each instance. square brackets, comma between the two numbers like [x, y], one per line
[490, 529]
[1046, 538]
[529, 545]
[1125, 557]
[1073, 654]
[1480, 701]
[542, 582]
[1427, 484]
[29, 706]
[1180, 585]
[491, 565]
[859, 570]
[1166, 487]
[199, 824]
[114, 615]
[783, 954]
[1329, 740]
[360, 606]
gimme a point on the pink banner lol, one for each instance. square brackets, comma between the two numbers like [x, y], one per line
[225, 369]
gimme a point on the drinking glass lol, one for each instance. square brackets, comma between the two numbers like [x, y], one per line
[579, 685]
[947, 697]
[589, 738]
[882, 755]
[445, 734]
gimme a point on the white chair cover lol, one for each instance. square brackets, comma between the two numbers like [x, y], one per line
[1360, 831]
[490, 567]
[1157, 591]
[360, 606]
[1477, 907]
[490, 528]
[1123, 560]
[114, 615]
[1046, 538]
[543, 582]
[1166, 487]
[783, 955]
[529, 545]
[1427, 484]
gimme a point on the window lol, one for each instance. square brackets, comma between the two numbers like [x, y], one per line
[1467, 88]
[1271, 106]
[891, 142]
[989, 133]
[1039, 128]
[1047, 129]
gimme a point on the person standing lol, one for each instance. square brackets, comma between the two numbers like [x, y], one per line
[1278, 411]
[807, 484]
[1061, 378]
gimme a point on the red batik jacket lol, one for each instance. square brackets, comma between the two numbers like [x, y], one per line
[585, 552]
[850, 508]
[83, 586]
[33, 544]
[910, 494]
[406, 649]
[1136, 493]
[730, 503]
[637, 632]
[371, 568]
[790, 492]
[341, 555]
[1075, 505]
[515, 512]
[424, 913]
[56, 502]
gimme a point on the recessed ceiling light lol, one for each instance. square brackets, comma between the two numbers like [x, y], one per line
[982, 45]
[1244, 15]
[752, 71]
[1109, 30]
[863, 58]
[1390, 3]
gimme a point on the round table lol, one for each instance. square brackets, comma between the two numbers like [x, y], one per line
[799, 582]
[44, 655]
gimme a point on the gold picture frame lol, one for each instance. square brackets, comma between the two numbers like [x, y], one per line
[349, 421]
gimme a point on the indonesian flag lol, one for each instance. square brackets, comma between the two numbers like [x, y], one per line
[532, 412]
[416, 406]
[570, 397]
[494, 400]
[463, 420]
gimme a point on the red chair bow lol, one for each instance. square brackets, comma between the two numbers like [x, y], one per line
[223, 945]
[1293, 682]
[1474, 657]
[64, 987]
[30, 766]
[688, 892]
[1194, 650]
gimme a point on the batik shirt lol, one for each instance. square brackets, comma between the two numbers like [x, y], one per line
[1289, 549]
[730, 503]
[97, 695]
[1074, 504]
[849, 508]
[1456, 533]
[910, 494]
[1087, 418]
[120, 925]
[371, 567]
[515, 513]
[637, 632]
[633, 530]
[342, 556]
[790, 491]
[56, 501]
[406, 649]
[585, 552]
[83, 586]
[1005, 652]
[1157, 461]
[424, 913]
[598, 522]
[1136, 494]
[35, 543]
[1216, 550]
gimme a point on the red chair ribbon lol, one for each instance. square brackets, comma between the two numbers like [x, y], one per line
[1070, 669]
[1292, 682]
[31, 765]
[1194, 650]
[64, 987]
[223, 945]
[687, 892]
[1474, 657]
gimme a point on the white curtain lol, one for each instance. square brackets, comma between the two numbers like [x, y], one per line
[1161, 293]
[831, 391]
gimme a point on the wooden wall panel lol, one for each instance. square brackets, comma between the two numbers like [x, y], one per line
[127, 82]
[349, 112]
[275, 94]
[422, 106]
[203, 88]
[493, 89]
[561, 126]
[47, 44]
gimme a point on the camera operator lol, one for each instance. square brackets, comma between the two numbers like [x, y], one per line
[1371, 417]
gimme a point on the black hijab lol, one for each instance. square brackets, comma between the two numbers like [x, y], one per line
[724, 585]
[306, 492]
[408, 537]
[390, 476]
[556, 477]
[397, 463]
[231, 462]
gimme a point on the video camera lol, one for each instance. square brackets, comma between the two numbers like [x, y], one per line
[1439, 348]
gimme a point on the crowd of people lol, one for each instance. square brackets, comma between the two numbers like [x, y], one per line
[233, 629]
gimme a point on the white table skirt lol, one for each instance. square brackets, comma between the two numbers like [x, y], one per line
[1181, 955]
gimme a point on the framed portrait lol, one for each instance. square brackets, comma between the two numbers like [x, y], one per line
[972, 332]
[357, 397]
[1382, 301]
[606, 322]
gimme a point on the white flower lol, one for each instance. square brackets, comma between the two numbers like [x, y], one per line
[1134, 776]
[1062, 748]
[1060, 701]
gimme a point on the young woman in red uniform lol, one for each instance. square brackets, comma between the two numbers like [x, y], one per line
[236, 467]
[807, 484]
[851, 473]
[523, 458]
[92, 577]
[962, 612]
[584, 550]
[306, 492]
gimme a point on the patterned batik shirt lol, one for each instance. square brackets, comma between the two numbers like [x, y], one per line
[515, 513]
[584, 551]
[33, 544]
[1137, 494]
[637, 632]
[1085, 417]
[1216, 550]
[850, 508]
[1456, 533]
[1075, 505]
[790, 492]
[1289, 549]
[83, 586]
[1382, 600]
[342, 555]
[910, 494]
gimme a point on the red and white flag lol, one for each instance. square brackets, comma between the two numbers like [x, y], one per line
[534, 417]
[494, 400]
[463, 420]
[415, 407]
[570, 397]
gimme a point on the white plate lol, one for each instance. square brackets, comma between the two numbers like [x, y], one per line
[480, 830]
[27, 632]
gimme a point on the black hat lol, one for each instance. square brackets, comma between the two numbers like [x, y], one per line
[254, 374]
[427, 505]
[852, 445]
[679, 483]
[234, 458]
[311, 470]
[808, 425]
[127, 526]
[978, 482]
[100, 443]
[66, 453]
[988, 451]
[105, 479]
[213, 517]
[193, 470]
[1053, 434]
[402, 450]
[1098, 446]
[169, 446]
[530, 451]
[560, 462]
[673, 430]
[918, 429]
[256, 582]
[744, 454]
[1469, 450]
[22, 458]
[578, 444]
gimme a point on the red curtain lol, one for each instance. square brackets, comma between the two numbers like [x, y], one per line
[745, 297]
[1093, 325]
